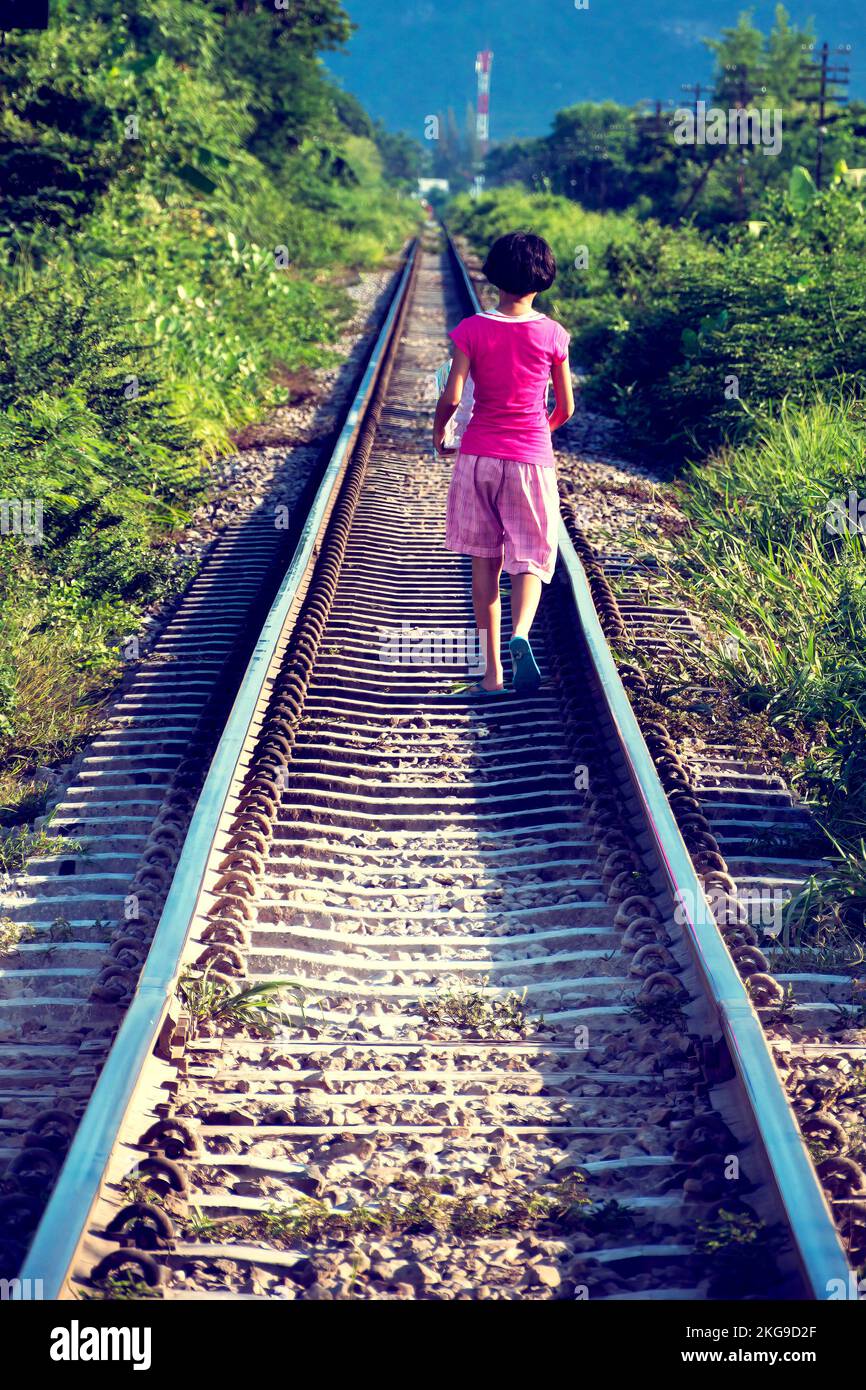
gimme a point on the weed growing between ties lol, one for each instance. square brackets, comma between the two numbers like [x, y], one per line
[422, 1207]
[13, 933]
[661, 1010]
[121, 1287]
[740, 1253]
[417, 1206]
[18, 845]
[137, 1190]
[479, 1015]
[781, 1012]
[216, 1003]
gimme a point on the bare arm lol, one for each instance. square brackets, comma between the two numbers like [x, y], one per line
[450, 399]
[563, 393]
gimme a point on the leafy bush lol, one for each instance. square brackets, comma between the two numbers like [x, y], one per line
[710, 331]
[176, 219]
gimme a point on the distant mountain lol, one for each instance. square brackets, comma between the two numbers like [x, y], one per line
[413, 58]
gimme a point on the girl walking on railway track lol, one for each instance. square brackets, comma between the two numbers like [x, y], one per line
[503, 504]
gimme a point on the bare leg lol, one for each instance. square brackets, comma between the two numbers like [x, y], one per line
[488, 614]
[525, 597]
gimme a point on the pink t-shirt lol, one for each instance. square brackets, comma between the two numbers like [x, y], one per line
[510, 361]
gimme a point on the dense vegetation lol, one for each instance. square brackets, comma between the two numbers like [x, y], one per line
[705, 331]
[774, 550]
[611, 157]
[737, 345]
[181, 194]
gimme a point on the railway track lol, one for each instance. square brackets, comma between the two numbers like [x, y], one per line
[767, 847]
[512, 1061]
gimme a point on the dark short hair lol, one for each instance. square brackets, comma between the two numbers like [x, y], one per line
[520, 262]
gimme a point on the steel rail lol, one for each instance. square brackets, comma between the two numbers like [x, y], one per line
[77, 1188]
[816, 1240]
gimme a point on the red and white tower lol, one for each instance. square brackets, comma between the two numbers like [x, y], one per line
[483, 64]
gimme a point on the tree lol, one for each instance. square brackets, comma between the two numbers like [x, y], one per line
[351, 114]
[68, 94]
[274, 53]
[520, 161]
[310, 26]
[403, 159]
[785, 51]
[740, 64]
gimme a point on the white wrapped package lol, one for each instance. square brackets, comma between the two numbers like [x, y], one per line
[460, 419]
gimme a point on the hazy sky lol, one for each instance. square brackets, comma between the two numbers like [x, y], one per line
[411, 58]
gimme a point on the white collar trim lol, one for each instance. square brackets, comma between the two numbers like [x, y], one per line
[511, 318]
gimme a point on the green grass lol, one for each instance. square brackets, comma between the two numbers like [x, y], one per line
[202, 328]
[780, 582]
[19, 845]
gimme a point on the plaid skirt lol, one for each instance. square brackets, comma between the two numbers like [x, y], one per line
[499, 507]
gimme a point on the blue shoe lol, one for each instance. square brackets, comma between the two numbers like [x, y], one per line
[527, 676]
[477, 692]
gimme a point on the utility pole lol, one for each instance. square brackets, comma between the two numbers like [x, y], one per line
[822, 77]
[653, 118]
[744, 81]
[695, 88]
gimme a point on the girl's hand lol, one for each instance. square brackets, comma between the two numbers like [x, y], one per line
[449, 401]
[563, 392]
[439, 444]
